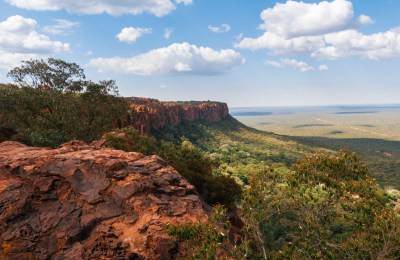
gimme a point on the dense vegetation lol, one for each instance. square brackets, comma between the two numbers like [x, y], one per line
[53, 103]
[240, 150]
[325, 207]
[322, 206]
[194, 165]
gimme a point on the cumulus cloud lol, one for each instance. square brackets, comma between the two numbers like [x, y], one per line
[325, 30]
[220, 29]
[351, 42]
[176, 59]
[280, 45]
[131, 35]
[168, 32]
[61, 26]
[294, 64]
[19, 40]
[294, 19]
[112, 7]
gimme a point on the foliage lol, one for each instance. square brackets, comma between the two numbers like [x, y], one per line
[207, 240]
[240, 150]
[327, 207]
[194, 165]
[54, 74]
[59, 106]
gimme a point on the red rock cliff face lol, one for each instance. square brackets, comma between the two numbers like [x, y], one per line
[86, 202]
[150, 114]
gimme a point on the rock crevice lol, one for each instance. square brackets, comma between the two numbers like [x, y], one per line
[84, 202]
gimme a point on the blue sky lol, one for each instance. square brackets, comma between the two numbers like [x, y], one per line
[245, 53]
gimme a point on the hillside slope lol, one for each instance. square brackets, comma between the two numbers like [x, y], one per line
[239, 149]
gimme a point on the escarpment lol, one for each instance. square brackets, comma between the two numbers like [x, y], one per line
[83, 201]
[146, 114]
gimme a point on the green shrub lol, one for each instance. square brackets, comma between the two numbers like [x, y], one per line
[207, 240]
[327, 207]
[53, 104]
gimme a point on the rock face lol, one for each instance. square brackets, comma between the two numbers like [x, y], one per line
[87, 202]
[147, 114]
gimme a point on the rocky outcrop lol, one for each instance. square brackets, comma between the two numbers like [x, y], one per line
[146, 114]
[87, 202]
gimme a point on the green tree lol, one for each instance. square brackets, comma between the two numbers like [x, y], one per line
[55, 74]
[327, 207]
[53, 103]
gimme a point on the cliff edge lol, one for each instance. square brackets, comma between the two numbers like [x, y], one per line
[147, 114]
[83, 201]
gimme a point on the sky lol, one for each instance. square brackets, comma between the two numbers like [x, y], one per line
[245, 53]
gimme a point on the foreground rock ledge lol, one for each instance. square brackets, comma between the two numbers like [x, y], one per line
[81, 201]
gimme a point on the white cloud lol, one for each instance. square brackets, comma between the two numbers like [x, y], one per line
[11, 60]
[175, 59]
[323, 67]
[131, 35]
[353, 43]
[19, 40]
[294, 64]
[163, 86]
[294, 19]
[297, 65]
[325, 30]
[185, 2]
[220, 29]
[365, 20]
[60, 27]
[279, 45]
[112, 7]
[168, 32]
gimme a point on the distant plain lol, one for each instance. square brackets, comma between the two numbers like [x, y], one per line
[371, 131]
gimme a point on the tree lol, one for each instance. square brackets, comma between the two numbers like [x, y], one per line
[54, 74]
[53, 103]
[326, 207]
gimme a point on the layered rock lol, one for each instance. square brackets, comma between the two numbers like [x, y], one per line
[146, 114]
[83, 201]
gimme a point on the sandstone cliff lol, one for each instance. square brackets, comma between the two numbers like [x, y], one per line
[146, 114]
[83, 201]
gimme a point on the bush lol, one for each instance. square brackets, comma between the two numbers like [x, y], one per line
[208, 240]
[53, 104]
[327, 207]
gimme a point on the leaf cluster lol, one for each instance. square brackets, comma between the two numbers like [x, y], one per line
[327, 207]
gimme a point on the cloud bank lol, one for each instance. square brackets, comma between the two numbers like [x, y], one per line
[112, 7]
[19, 40]
[324, 30]
[176, 59]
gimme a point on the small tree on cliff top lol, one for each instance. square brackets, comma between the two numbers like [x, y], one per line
[54, 74]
